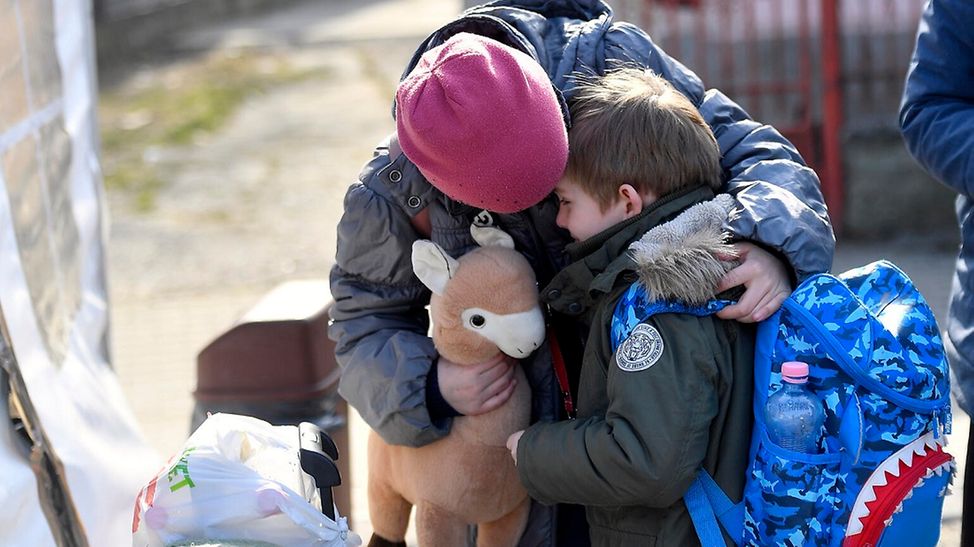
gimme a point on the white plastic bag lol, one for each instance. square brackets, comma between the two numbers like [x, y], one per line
[237, 478]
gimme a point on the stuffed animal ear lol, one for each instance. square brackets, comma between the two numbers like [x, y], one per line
[491, 236]
[432, 265]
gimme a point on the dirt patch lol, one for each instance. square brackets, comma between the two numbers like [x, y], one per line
[177, 106]
[228, 172]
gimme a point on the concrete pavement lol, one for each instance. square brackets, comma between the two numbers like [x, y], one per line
[274, 176]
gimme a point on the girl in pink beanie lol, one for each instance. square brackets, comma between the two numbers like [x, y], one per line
[481, 136]
[483, 124]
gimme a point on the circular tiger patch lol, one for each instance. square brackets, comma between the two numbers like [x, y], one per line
[641, 350]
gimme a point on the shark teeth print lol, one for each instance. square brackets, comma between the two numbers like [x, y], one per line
[910, 467]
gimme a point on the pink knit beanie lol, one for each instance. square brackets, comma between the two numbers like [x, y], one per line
[482, 122]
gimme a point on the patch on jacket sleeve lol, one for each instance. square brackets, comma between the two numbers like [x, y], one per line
[641, 350]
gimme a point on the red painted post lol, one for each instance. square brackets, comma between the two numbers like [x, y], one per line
[831, 174]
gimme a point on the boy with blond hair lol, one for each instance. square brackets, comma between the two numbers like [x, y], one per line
[639, 196]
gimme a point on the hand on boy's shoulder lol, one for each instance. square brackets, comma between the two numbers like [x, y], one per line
[765, 280]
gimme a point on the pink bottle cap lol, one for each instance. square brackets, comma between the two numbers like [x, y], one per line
[794, 372]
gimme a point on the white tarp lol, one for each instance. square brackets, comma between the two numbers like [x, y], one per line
[52, 277]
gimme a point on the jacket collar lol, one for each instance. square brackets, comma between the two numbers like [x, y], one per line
[600, 260]
[684, 259]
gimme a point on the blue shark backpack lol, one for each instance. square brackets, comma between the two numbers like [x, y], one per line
[877, 362]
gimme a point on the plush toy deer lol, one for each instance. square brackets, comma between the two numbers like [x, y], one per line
[484, 303]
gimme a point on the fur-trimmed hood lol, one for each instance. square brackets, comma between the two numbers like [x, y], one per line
[674, 245]
[685, 258]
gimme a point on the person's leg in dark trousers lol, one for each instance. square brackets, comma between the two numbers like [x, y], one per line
[967, 517]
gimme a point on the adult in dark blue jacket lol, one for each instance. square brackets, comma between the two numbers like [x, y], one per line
[937, 120]
[391, 373]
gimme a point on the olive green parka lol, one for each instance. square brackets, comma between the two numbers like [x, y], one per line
[645, 428]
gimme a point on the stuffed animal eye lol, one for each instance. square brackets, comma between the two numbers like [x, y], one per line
[477, 321]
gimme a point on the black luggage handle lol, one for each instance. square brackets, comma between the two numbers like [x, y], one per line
[318, 454]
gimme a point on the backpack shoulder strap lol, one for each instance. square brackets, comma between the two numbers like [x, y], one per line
[708, 505]
[635, 307]
[703, 515]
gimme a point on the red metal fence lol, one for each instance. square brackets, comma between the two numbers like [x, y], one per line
[818, 70]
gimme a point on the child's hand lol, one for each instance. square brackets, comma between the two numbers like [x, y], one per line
[476, 389]
[766, 285]
[512, 444]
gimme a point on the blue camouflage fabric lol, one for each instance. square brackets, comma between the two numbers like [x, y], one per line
[635, 307]
[876, 360]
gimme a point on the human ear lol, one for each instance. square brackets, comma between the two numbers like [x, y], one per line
[631, 200]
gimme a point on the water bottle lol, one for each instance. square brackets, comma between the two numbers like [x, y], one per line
[793, 415]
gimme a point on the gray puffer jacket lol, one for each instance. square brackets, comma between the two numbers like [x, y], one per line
[379, 321]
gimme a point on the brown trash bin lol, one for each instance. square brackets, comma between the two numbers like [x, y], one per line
[277, 364]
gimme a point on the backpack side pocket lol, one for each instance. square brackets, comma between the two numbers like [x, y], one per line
[793, 497]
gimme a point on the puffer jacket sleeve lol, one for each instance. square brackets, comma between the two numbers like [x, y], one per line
[779, 199]
[937, 112]
[648, 446]
[379, 322]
